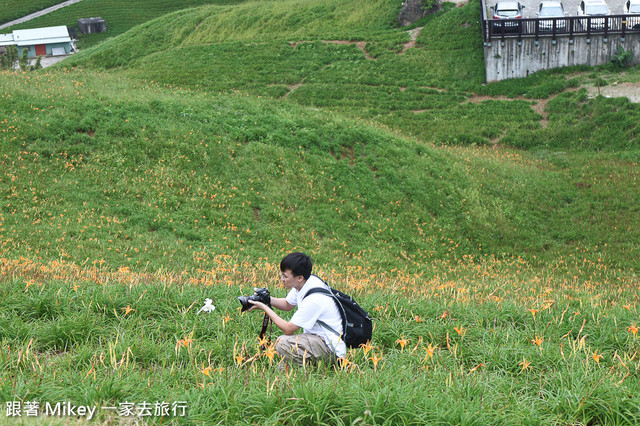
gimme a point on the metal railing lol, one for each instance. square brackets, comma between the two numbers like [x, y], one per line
[567, 26]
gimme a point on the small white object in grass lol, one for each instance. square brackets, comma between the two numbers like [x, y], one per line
[208, 307]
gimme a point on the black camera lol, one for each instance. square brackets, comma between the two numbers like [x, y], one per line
[261, 295]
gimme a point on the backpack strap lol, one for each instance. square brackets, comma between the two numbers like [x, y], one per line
[328, 293]
[318, 290]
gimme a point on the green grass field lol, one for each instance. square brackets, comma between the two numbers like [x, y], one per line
[489, 229]
[14, 9]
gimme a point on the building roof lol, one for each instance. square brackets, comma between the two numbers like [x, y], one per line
[90, 20]
[46, 35]
[6, 40]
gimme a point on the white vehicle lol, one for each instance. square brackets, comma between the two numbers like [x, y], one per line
[593, 8]
[552, 9]
[509, 10]
[632, 7]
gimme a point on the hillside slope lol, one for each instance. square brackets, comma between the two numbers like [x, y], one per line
[96, 165]
[351, 58]
[213, 166]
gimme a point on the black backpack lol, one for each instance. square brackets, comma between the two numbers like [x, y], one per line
[357, 326]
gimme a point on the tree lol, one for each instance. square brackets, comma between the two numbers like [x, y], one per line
[37, 65]
[24, 60]
[9, 58]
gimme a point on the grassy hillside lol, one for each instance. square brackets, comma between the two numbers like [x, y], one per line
[180, 172]
[288, 49]
[490, 230]
[432, 91]
[14, 9]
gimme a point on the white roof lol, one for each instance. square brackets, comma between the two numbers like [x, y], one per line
[6, 39]
[45, 35]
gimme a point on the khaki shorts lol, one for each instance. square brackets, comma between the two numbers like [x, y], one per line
[304, 348]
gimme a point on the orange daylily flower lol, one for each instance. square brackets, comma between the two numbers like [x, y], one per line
[270, 352]
[524, 363]
[376, 358]
[597, 357]
[183, 343]
[344, 363]
[239, 358]
[538, 341]
[127, 310]
[187, 341]
[429, 350]
[366, 347]
[263, 342]
[633, 329]
[402, 342]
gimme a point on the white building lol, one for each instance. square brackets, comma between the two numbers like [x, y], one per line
[48, 41]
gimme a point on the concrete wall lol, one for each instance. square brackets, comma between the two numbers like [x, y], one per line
[514, 59]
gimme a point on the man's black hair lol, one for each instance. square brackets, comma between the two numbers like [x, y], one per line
[298, 263]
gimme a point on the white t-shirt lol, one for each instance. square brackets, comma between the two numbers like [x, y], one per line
[317, 306]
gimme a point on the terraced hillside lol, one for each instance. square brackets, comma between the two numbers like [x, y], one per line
[423, 83]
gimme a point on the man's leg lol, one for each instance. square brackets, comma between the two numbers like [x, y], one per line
[303, 348]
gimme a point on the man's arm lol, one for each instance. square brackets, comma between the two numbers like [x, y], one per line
[287, 327]
[281, 303]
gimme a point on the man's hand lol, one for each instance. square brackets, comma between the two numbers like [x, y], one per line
[256, 305]
[287, 327]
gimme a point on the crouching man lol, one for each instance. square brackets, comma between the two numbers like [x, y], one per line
[317, 315]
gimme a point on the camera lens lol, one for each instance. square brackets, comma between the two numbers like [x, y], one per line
[244, 302]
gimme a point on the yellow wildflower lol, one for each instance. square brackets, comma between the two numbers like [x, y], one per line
[429, 350]
[402, 342]
[597, 357]
[538, 341]
[376, 358]
[270, 352]
[366, 347]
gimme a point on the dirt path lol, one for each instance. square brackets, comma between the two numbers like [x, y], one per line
[38, 14]
[414, 33]
[412, 43]
[292, 87]
[359, 44]
[615, 90]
